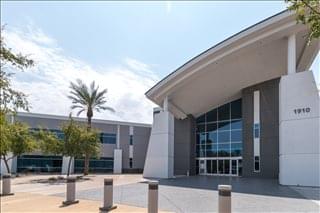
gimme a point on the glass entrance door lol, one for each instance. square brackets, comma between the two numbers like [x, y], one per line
[218, 166]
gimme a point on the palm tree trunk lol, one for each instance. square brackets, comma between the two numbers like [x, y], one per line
[87, 157]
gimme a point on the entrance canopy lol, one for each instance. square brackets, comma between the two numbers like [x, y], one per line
[216, 76]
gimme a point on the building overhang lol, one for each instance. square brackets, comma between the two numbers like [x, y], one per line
[218, 75]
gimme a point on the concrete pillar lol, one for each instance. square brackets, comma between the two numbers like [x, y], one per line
[224, 198]
[71, 192]
[153, 197]
[6, 185]
[117, 161]
[291, 53]
[108, 196]
[165, 104]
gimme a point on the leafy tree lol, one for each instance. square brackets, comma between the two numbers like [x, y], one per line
[76, 142]
[10, 99]
[308, 13]
[48, 142]
[15, 139]
[87, 99]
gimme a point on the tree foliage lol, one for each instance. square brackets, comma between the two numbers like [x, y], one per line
[87, 99]
[15, 139]
[10, 99]
[77, 141]
[308, 13]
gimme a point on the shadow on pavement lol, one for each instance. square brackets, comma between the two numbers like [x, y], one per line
[267, 187]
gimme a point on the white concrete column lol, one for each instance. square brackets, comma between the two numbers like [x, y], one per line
[118, 137]
[117, 155]
[165, 104]
[117, 161]
[160, 155]
[291, 58]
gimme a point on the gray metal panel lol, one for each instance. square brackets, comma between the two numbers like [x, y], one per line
[184, 146]
[141, 137]
[269, 137]
[107, 150]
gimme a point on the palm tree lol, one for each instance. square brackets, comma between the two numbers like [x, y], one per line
[87, 99]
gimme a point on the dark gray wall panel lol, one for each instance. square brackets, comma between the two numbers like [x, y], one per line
[184, 146]
[269, 122]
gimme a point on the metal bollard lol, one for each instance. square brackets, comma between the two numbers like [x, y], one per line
[153, 197]
[108, 196]
[6, 185]
[224, 198]
[71, 192]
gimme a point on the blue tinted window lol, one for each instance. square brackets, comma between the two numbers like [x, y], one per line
[201, 119]
[225, 125]
[201, 128]
[236, 149]
[224, 150]
[236, 124]
[224, 112]
[236, 110]
[224, 137]
[212, 137]
[211, 127]
[211, 116]
[202, 138]
[108, 138]
[236, 135]
[256, 130]
[131, 140]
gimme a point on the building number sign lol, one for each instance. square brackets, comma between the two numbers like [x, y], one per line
[302, 110]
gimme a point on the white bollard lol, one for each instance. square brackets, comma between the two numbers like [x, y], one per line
[108, 196]
[71, 192]
[6, 185]
[224, 198]
[153, 197]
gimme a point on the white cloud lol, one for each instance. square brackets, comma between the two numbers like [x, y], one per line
[47, 83]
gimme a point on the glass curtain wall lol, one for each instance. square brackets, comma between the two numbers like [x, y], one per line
[219, 140]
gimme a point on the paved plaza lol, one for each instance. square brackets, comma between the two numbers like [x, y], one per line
[183, 194]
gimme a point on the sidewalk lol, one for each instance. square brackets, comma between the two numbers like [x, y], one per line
[31, 202]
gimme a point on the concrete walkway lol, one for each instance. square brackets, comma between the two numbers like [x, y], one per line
[29, 202]
[199, 194]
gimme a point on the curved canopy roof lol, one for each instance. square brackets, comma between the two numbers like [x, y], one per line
[216, 76]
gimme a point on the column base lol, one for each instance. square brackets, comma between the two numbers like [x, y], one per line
[3, 195]
[67, 203]
[107, 209]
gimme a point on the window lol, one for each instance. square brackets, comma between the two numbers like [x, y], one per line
[236, 110]
[130, 163]
[224, 112]
[39, 163]
[256, 130]
[211, 116]
[131, 139]
[107, 138]
[102, 164]
[257, 164]
[219, 131]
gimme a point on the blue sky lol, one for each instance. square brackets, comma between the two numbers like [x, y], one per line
[140, 41]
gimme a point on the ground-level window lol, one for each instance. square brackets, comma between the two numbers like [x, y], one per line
[256, 163]
[39, 163]
[102, 164]
[130, 163]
